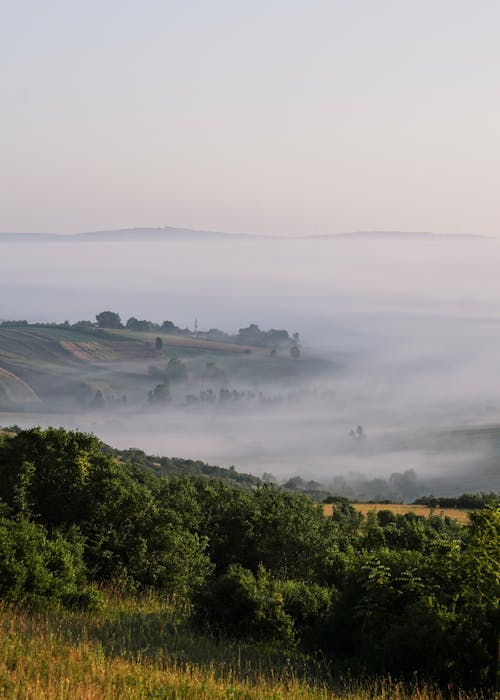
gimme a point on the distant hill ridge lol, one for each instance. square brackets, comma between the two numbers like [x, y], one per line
[127, 234]
[167, 233]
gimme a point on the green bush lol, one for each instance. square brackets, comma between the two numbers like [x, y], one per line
[37, 569]
[308, 605]
[245, 605]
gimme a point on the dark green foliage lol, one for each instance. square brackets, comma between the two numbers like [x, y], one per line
[14, 324]
[246, 605]
[37, 569]
[468, 501]
[108, 319]
[433, 608]
[177, 467]
[398, 594]
[309, 605]
[254, 336]
[134, 324]
[168, 327]
[287, 534]
[63, 479]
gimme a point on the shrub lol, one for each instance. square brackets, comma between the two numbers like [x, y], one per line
[246, 606]
[309, 605]
[37, 569]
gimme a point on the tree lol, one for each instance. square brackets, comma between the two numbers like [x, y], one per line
[251, 335]
[63, 482]
[168, 327]
[108, 319]
[160, 394]
[98, 400]
[176, 370]
[134, 324]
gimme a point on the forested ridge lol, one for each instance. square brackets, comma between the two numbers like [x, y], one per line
[387, 594]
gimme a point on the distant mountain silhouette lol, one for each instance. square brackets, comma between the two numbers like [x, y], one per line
[165, 233]
[399, 235]
[158, 234]
[168, 233]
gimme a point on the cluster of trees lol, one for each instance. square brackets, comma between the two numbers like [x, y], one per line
[224, 396]
[110, 319]
[174, 371]
[251, 335]
[178, 467]
[106, 319]
[470, 501]
[400, 487]
[13, 324]
[387, 594]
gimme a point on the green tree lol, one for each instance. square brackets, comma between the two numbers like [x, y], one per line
[134, 324]
[108, 319]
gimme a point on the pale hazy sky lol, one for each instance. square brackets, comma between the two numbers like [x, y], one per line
[265, 116]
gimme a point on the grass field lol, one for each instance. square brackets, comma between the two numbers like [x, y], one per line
[14, 388]
[401, 509]
[138, 649]
[188, 342]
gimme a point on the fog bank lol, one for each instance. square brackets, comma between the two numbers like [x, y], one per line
[411, 326]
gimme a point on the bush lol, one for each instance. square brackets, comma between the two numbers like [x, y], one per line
[244, 605]
[38, 570]
[309, 607]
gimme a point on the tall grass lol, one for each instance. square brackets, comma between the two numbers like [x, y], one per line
[141, 648]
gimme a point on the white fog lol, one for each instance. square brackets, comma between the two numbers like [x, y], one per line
[408, 324]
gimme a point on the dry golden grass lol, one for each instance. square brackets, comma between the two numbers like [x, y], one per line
[133, 650]
[461, 516]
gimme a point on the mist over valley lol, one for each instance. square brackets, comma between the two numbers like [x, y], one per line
[398, 334]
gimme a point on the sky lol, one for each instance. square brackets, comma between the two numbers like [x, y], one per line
[270, 116]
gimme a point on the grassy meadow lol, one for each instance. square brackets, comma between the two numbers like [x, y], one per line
[141, 648]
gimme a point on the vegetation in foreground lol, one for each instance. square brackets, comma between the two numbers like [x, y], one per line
[137, 647]
[259, 571]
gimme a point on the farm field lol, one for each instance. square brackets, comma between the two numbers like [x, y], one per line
[64, 367]
[50, 362]
[457, 514]
[188, 342]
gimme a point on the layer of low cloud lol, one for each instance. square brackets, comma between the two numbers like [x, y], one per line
[410, 326]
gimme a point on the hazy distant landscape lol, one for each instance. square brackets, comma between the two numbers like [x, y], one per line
[399, 333]
[250, 350]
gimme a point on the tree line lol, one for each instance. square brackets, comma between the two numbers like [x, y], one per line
[386, 594]
[111, 320]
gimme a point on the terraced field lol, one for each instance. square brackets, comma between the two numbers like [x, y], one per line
[65, 365]
[14, 390]
[180, 341]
